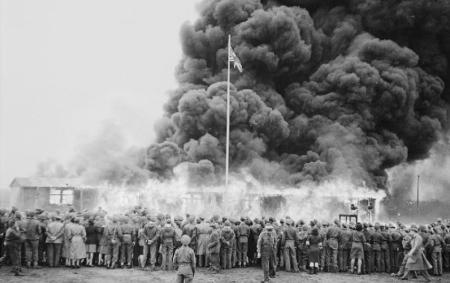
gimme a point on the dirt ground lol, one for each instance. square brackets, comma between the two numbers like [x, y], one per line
[250, 275]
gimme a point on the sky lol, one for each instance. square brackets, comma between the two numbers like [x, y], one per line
[67, 67]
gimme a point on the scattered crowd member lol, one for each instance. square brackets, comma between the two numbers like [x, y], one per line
[141, 238]
[185, 262]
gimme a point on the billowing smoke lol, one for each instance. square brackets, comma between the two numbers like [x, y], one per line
[330, 90]
[107, 159]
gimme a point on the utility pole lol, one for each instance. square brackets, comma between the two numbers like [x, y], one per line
[418, 191]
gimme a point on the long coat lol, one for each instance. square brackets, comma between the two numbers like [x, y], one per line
[417, 261]
[77, 236]
[203, 231]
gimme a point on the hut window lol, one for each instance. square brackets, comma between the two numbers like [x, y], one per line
[61, 196]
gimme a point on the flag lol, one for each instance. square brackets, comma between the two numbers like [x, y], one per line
[233, 58]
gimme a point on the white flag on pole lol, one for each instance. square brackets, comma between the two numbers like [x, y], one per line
[236, 62]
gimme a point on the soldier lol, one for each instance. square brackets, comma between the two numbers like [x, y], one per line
[12, 241]
[385, 243]
[55, 233]
[368, 262]
[344, 245]
[437, 243]
[190, 229]
[266, 251]
[446, 254]
[324, 251]
[33, 234]
[255, 230]
[406, 245]
[168, 236]
[376, 239]
[333, 235]
[226, 239]
[113, 234]
[128, 242]
[214, 248]
[203, 231]
[243, 235]
[235, 251]
[289, 242]
[302, 251]
[396, 248]
[3, 227]
[184, 260]
[151, 235]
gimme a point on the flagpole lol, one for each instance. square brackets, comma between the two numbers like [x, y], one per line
[227, 149]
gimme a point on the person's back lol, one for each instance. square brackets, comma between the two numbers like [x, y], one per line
[184, 260]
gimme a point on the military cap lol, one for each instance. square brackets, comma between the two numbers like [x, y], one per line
[29, 213]
[269, 226]
[168, 221]
[422, 228]
[281, 220]
[377, 225]
[391, 225]
[151, 224]
[227, 223]
[413, 228]
[178, 218]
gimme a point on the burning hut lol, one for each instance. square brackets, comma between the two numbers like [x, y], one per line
[52, 193]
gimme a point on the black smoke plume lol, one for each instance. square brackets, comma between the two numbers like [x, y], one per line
[344, 88]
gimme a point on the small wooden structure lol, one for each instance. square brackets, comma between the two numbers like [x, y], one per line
[52, 193]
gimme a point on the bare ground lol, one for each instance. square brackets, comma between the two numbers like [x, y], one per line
[250, 275]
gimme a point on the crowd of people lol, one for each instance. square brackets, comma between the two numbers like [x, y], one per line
[140, 239]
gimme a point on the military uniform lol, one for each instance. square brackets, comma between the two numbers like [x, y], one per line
[127, 245]
[289, 243]
[12, 243]
[333, 235]
[151, 236]
[32, 234]
[368, 263]
[446, 254]
[437, 244]
[302, 250]
[113, 234]
[214, 244]
[184, 260]
[266, 250]
[242, 240]
[255, 231]
[168, 236]
[375, 240]
[226, 238]
[344, 245]
[385, 254]
[396, 250]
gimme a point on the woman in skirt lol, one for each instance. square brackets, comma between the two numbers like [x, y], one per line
[357, 251]
[314, 244]
[77, 236]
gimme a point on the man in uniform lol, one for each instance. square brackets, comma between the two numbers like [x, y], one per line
[266, 251]
[289, 242]
[168, 236]
[376, 247]
[113, 234]
[385, 243]
[33, 234]
[332, 237]
[184, 260]
[255, 230]
[446, 254]
[242, 240]
[437, 243]
[128, 242]
[324, 252]
[368, 262]
[12, 241]
[151, 236]
[214, 248]
[203, 231]
[302, 248]
[190, 229]
[344, 245]
[226, 239]
[396, 247]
